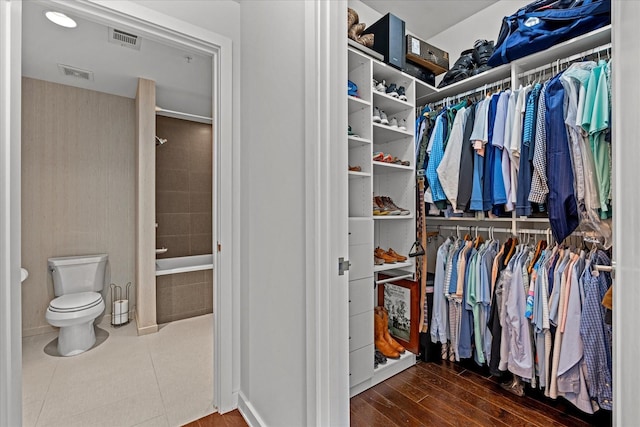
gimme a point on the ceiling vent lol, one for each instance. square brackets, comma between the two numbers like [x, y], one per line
[67, 70]
[124, 39]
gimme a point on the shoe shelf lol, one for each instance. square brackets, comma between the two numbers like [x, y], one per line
[392, 217]
[389, 104]
[385, 371]
[384, 167]
[357, 104]
[394, 266]
[383, 133]
[354, 175]
[356, 141]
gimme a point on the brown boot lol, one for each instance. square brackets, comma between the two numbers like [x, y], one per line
[381, 344]
[387, 336]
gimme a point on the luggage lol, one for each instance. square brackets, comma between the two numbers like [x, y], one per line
[545, 23]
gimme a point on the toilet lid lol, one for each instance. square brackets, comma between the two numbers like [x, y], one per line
[75, 302]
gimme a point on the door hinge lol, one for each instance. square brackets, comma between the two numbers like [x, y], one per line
[343, 265]
[219, 247]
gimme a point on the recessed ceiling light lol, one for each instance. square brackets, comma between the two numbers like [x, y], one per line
[61, 19]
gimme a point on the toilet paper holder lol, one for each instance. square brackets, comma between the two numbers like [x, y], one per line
[119, 305]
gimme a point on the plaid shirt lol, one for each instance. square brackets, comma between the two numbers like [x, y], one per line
[596, 337]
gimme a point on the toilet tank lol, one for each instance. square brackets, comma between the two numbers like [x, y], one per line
[73, 274]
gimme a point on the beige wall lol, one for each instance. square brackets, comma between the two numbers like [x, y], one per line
[78, 186]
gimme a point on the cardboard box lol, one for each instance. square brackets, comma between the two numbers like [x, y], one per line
[426, 55]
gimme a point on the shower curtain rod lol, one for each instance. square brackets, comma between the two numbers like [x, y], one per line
[186, 116]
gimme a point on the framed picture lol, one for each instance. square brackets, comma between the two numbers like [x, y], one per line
[402, 300]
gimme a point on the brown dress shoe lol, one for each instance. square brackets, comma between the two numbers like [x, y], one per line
[397, 256]
[380, 253]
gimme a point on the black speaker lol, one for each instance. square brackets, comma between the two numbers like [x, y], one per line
[389, 39]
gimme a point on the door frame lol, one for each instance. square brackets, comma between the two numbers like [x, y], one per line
[168, 30]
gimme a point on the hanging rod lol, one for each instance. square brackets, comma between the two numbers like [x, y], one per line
[501, 229]
[502, 83]
[186, 116]
[564, 61]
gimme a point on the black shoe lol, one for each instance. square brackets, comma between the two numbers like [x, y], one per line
[462, 69]
[401, 95]
[380, 358]
[391, 90]
[482, 51]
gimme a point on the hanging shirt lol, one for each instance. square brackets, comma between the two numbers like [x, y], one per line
[525, 172]
[562, 206]
[487, 184]
[435, 157]
[465, 184]
[595, 121]
[595, 334]
[539, 188]
[449, 168]
[439, 312]
[499, 190]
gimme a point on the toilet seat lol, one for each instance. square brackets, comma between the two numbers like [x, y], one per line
[75, 302]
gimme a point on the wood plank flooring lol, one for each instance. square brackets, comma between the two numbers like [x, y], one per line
[447, 394]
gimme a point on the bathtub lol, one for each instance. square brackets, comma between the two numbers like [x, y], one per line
[184, 264]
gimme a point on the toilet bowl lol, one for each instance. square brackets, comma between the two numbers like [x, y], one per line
[77, 282]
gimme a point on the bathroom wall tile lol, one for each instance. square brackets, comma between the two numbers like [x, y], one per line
[200, 182]
[164, 304]
[172, 202]
[177, 246]
[201, 160]
[171, 156]
[163, 282]
[188, 278]
[173, 224]
[201, 223]
[188, 298]
[172, 180]
[208, 296]
[201, 244]
[201, 139]
[200, 202]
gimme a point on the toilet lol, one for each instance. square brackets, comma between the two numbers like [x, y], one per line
[77, 283]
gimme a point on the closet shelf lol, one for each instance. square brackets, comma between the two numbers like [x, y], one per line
[384, 133]
[392, 217]
[467, 219]
[389, 104]
[394, 266]
[577, 45]
[356, 141]
[384, 167]
[353, 174]
[357, 104]
[424, 89]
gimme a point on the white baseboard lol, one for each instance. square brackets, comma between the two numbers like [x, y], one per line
[249, 413]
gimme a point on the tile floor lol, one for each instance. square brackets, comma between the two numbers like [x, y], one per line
[162, 379]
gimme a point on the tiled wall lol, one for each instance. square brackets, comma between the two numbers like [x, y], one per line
[183, 188]
[184, 295]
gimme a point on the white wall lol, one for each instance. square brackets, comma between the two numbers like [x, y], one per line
[483, 25]
[272, 204]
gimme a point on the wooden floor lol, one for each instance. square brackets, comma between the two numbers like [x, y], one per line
[447, 394]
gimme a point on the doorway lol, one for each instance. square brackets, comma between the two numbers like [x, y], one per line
[219, 49]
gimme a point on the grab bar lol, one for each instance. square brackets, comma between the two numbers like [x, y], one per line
[161, 251]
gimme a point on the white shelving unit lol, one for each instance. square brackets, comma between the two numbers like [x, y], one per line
[366, 231]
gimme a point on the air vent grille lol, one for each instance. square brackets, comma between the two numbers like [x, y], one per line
[124, 39]
[78, 73]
